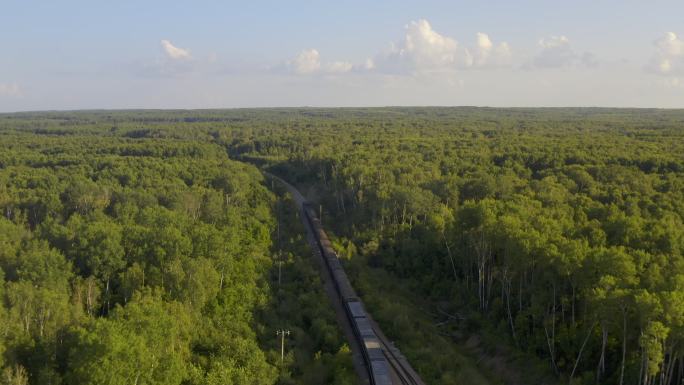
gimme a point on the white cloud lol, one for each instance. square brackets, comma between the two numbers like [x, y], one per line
[670, 45]
[422, 50]
[174, 52]
[555, 42]
[557, 52]
[176, 62]
[486, 54]
[669, 56]
[339, 67]
[309, 62]
[10, 90]
[425, 50]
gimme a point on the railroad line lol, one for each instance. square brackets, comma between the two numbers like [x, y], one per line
[383, 363]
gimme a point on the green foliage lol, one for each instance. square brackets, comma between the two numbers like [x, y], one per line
[550, 227]
[144, 342]
[120, 258]
[557, 233]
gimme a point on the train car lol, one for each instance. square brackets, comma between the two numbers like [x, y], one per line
[364, 327]
[344, 287]
[325, 241]
[334, 264]
[329, 254]
[341, 281]
[380, 372]
[309, 213]
[321, 238]
[328, 250]
[378, 366]
[377, 362]
[355, 309]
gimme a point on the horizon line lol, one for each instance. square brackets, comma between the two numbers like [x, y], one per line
[337, 108]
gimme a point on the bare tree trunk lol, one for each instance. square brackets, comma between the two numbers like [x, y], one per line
[573, 304]
[482, 252]
[451, 257]
[107, 293]
[520, 281]
[579, 355]
[624, 345]
[670, 372]
[602, 361]
[668, 365]
[553, 325]
[551, 353]
[510, 316]
[643, 370]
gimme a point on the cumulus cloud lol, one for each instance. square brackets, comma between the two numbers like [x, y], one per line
[10, 90]
[557, 52]
[424, 50]
[486, 54]
[669, 56]
[339, 67]
[174, 52]
[309, 62]
[175, 62]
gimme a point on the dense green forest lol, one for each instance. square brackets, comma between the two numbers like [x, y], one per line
[558, 230]
[134, 249]
[131, 259]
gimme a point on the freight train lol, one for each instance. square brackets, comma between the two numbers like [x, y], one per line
[376, 361]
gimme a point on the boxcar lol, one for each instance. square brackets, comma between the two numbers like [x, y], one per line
[378, 367]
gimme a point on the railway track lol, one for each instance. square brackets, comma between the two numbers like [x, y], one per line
[400, 371]
[383, 363]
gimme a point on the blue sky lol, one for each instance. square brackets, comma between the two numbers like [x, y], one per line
[212, 54]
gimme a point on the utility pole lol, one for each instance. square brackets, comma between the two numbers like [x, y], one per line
[282, 334]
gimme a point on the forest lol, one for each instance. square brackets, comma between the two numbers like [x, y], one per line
[140, 246]
[149, 260]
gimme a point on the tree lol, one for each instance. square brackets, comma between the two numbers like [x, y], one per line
[96, 247]
[144, 343]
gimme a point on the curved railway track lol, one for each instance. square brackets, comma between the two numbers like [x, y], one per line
[383, 363]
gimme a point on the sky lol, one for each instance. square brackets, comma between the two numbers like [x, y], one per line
[96, 54]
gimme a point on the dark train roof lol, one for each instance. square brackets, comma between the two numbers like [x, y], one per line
[364, 327]
[381, 375]
[356, 308]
